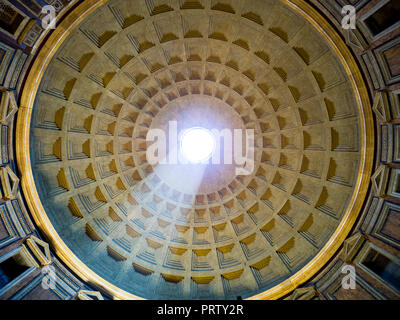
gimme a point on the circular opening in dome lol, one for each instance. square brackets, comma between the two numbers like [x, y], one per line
[197, 144]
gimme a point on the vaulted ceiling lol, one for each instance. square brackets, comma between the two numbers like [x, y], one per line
[129, 66]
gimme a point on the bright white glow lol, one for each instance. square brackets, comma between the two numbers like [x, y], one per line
[197, 144]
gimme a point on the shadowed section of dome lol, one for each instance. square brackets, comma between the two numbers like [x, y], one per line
[206, 232]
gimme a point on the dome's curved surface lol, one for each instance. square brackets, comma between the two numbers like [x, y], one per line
[238, 64]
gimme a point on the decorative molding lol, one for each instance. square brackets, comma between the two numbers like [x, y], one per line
[8, 106]
[379, 180]
[351, 246]
[89, 295]
[40, 249]
[9, 182]
[381, 106]
[355, 40]
[307, 293]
